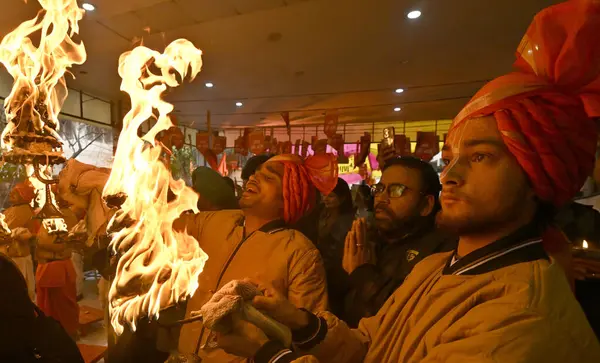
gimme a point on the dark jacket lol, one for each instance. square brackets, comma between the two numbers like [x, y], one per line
[371, 285]
[331, 247]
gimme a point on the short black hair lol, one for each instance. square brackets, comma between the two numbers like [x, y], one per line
[342, 190]
[252, 165]
[430, 180]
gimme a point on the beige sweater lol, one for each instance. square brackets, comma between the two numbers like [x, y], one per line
[521, 313]
[282, 258]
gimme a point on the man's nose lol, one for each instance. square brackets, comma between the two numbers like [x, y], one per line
[453, 175]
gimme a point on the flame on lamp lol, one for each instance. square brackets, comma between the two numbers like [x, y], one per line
[585, 244]
[157, 266]
[4, 229]
[39, 89]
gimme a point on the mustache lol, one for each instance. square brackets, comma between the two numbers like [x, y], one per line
[384, 208]
[453, 194]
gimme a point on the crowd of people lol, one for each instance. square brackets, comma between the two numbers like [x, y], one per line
[473, 265]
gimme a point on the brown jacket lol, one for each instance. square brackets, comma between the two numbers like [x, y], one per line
[520, 313]
[281, 257]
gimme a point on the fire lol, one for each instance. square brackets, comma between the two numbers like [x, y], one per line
[38, 72]
[157, 266]
[3, 226]
[585, 244]
[39, 88]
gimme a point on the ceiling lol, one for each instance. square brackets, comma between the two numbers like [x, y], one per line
[307, 56]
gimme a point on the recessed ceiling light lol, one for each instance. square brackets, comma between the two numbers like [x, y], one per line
[413, 14]
[209, 85]
[399, 90]
[239, 104]
[88, 7]
[397, 109]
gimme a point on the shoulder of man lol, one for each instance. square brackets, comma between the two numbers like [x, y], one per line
[293, 238]
[436, 241]
[194, 223]
[427, 244]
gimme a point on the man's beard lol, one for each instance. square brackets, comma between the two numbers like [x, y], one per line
[473, 223]
[395, 227]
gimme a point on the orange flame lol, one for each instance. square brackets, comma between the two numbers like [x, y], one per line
[4, 229]
[160, 266]
[39, 88]
[38, 72]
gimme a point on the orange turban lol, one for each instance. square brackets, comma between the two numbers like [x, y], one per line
[301, 179]
[545, 110]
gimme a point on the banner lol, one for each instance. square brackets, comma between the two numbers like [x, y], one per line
[240, 146]
[402, 145]
[256, 142]
[365, 148]
[286, 147]
[427, 145]
[320, 147]
[219, 144]
[202, 141]
[331, 124]
[305, 145]
[337, 142]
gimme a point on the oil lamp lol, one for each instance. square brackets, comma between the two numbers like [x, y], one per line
[37, 149]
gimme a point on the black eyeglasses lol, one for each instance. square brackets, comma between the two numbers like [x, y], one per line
[395, 190]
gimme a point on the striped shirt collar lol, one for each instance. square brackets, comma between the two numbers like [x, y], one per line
[524, 245]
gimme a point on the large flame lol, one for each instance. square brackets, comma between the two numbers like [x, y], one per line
[4, 229]
[157, 266]
[39, 88]
[38, 72]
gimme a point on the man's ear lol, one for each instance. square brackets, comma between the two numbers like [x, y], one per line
[428, 204]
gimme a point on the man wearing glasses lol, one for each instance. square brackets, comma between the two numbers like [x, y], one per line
[378, 258]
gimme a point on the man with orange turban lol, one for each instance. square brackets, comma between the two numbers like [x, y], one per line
[20, 220]
[257, 241]
[524, 144]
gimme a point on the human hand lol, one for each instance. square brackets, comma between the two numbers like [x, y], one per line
[584, 269]
[275, 305]
[21, 234]
[244, 340]
[357, 250]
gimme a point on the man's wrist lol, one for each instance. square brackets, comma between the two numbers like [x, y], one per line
[301, 320]
[273, 352]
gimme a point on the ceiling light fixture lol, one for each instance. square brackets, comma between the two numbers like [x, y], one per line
[413, 14]
[399, 90]
[88, 7]
[239, 104]
[209, 85]
[397, 109]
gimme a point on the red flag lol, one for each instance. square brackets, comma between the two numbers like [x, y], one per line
[211, 159]
[222, 169]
